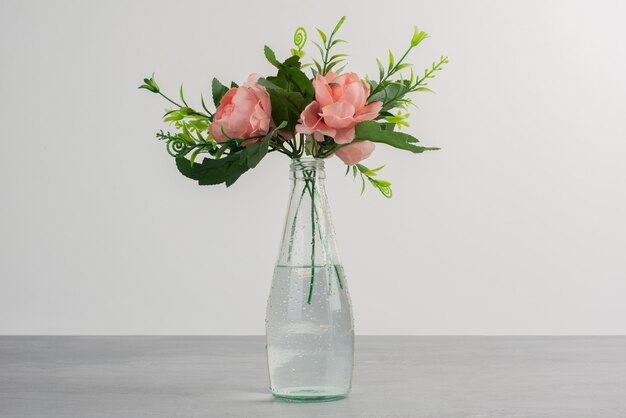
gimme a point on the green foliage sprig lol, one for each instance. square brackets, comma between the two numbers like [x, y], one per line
[393, 91]
[370, 173]
[328, 61]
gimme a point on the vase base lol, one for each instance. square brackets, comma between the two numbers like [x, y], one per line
[311, 394]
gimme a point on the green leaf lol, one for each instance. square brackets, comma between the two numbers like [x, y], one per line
[338, 25]
[391, 60]
[317, 65]
[301, 82]
[322, 34]
[340, 69]
[332, 65]
[369, 172]
[290, 92]
[291, 78]
[286, 106]
[233, 174]
[271, 57]
[186, 111]
[256, 152]
[381, 69]
[337, 41]
[219, 90]
[319, 48]
[403, 66]
[182, 96]
[199, 134]
[214, 171]
[390, 93]
[174, 116]
[198, 125]
[186, 135]
[209, 172]
[376, 132]
[292, 62]
[192, 158]
[204, 105]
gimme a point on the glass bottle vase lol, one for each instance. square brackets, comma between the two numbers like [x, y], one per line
[309, 325]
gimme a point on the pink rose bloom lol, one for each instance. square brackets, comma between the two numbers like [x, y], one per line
[340, 103]
[356, 152]
[243, 112]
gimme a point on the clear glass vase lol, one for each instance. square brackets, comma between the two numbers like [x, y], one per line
[309, 326]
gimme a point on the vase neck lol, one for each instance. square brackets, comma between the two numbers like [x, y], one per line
[307, 169]
[308, 238]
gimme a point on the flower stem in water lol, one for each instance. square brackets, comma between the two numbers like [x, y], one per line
[312, 238]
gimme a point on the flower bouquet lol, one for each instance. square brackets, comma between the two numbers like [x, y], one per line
[309, 118]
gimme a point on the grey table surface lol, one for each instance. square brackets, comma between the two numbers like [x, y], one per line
[394, 377]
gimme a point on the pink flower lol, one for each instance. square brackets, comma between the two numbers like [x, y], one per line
[243, 112]
[340, 103]
[356, 152]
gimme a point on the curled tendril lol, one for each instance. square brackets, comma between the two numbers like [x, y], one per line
[299, 38]
[385, 190]
[176, 147]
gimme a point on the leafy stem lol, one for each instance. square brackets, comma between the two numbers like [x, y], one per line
[436, 66]
[384, 75]
[151, 85]
[329, 61]
[369, 174]
[394, 67]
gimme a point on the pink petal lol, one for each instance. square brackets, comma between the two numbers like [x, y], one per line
[322, 91]
[259, 121]
[215, 129]
[311, 115]
[312, 121]
[369, 112]
[344, 136]
[355, 94]
[338, 115]
[356, 152]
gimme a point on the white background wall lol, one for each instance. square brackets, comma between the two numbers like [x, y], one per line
[518, 226]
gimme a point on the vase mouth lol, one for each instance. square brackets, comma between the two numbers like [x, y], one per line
[307, 168]
[307, 163]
